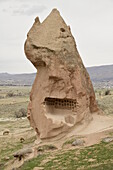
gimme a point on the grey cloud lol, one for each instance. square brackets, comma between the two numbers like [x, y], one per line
[25, 10]
[1, 1]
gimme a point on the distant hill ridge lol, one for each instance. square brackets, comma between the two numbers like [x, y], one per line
[25, 79]
[100, 73]
[101, 76]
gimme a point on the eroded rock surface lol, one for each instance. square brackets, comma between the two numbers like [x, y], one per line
[62, 94]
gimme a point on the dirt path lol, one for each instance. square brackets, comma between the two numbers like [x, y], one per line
[92, 132]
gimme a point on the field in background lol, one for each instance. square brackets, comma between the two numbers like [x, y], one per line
[104, 100]
[15, 98]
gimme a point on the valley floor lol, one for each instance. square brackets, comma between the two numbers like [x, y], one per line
[94, 154]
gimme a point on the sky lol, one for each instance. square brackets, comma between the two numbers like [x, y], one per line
[91, 22]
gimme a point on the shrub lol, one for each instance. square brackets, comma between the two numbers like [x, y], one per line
[10, 94]
[21, 113]
[100, 93]
[1, 97]
[107, 92]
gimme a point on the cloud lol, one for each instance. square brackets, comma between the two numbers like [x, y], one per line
[25, 10]
[1, 1]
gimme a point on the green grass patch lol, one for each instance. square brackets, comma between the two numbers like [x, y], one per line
[93, 157]
[8, 151]
[30, 140]
[35, 162]
[68, 142]
[46, 148]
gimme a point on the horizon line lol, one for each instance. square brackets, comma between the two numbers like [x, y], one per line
[5, 72]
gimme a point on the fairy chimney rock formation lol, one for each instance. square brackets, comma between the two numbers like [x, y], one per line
[62, 94]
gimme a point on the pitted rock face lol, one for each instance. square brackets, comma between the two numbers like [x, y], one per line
[62, 94]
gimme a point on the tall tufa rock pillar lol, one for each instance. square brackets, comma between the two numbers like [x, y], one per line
[62, 95]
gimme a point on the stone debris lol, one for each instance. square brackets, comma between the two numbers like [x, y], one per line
[6, 158]
[21, 153]
[22, 139]
[78, 142]
[107, 139]
[6, 132]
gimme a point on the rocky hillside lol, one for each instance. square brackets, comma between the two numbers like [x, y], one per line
[17, 79]
[101, 73]
[101, 76]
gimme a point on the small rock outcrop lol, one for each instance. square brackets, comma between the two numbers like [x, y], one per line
[20, 154]
[107, 139]
[6, 132]
[78, 142]
[62, 95]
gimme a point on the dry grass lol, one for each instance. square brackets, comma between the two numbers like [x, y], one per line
[17, 127]
[9, 105]
[105, 102]
[20, 128]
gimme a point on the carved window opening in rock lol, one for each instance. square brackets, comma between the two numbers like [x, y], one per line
[69, 104]
[62, 29]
